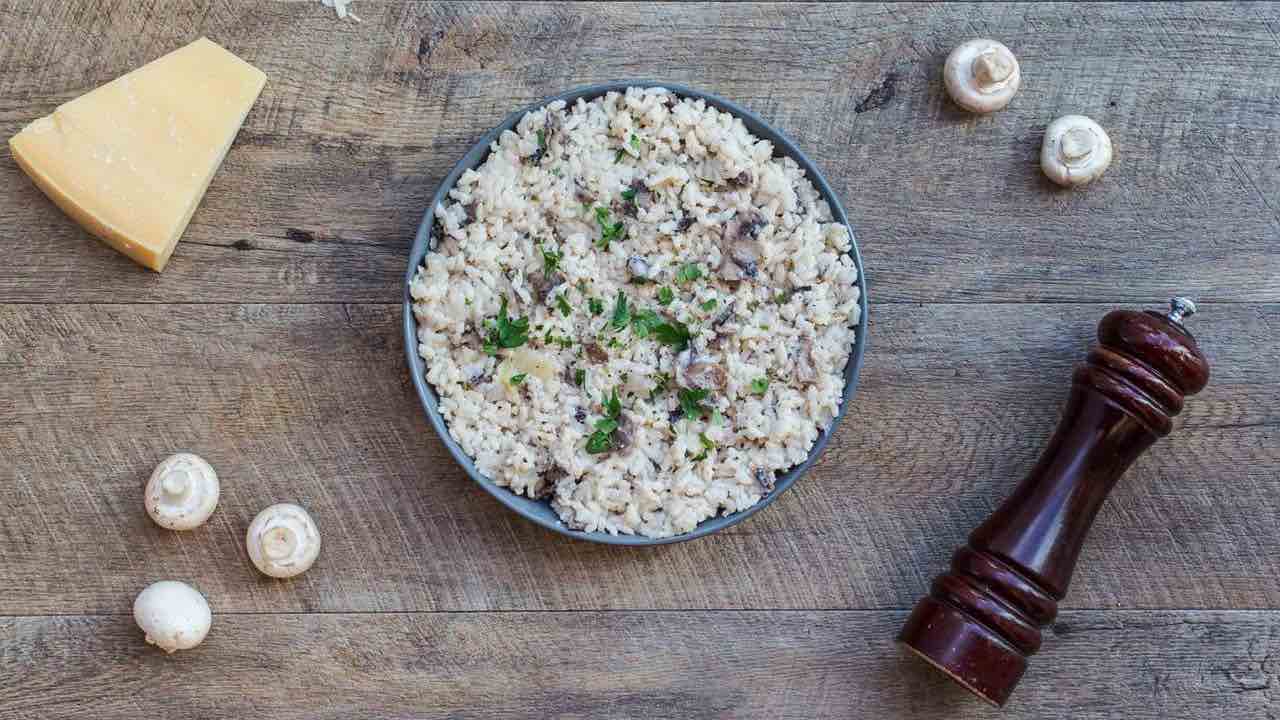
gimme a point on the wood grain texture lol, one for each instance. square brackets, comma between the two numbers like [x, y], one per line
[271, 345]
[804, 665]
[320, 196]
[312, 403]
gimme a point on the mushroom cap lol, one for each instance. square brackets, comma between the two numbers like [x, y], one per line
[982, 75]
[182, 492]
[1076, 151]
[283, 541]
[174, 615]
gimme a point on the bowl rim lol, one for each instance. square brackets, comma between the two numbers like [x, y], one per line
[529, 508]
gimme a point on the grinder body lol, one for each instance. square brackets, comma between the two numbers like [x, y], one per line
[982, 619]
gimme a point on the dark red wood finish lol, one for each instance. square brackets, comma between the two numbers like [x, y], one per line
[982, 620]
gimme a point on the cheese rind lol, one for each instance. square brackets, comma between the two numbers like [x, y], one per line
[131, 160]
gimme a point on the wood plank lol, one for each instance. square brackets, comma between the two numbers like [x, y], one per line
[319, 198]
[776, 665]
[312, 403]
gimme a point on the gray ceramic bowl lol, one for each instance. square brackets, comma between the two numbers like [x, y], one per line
[540, 511]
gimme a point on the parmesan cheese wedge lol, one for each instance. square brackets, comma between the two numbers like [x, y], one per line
[131, 160]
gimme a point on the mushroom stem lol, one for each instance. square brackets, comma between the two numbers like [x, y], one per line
[1077, 144]
[176, 485]
[279, 543]
[991, 69]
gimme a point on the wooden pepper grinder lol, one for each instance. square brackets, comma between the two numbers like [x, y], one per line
[982, 620]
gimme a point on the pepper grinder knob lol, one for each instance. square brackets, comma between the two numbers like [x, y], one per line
[1180, 308]
[982, 619]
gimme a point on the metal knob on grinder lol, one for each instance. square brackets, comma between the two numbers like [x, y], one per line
[981, 621]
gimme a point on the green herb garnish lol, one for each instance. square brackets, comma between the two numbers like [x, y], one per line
[673, 333]
[618, 156]
[608, 232]
[759, 385]
[563, 305]
[709, 305]
[579, 377]
[644, 321]
[621, 313]
[707, 446]
[542, 140]
[602, 439]
[550, 260]
[659, 386]
[688, 273]
[691, 403]
[629, 194]
[665, 295]
[518, 378]
[506, 332]
[635, 142]
[595, 305]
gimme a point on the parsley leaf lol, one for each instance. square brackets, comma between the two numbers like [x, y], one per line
[709, 305]
[665, 296]
[691, 403]
[629, 194]
[518, 378]
[596, 305]
[602, 439]
[608, 232]
[759, 385]
[542, 140]
[599, 442]
[579, 377]
[550, 261]
[506, 332]
[621, 313]
[635, 142]
[618, 157]
[673, 333]
[659, 386]
[688, 273]
[644, 321]
[563, 305]
[707, 446]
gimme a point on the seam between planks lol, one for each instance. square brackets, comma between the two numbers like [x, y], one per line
[652, 611]
[874, 304]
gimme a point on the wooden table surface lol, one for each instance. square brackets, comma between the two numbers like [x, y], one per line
[271, 345]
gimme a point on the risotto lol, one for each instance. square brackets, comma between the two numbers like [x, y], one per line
[634, 310]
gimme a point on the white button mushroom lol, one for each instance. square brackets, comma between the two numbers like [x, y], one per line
[182, 492]
[174, 615]
[283, 541]
[1076, 150]
[981, 75]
